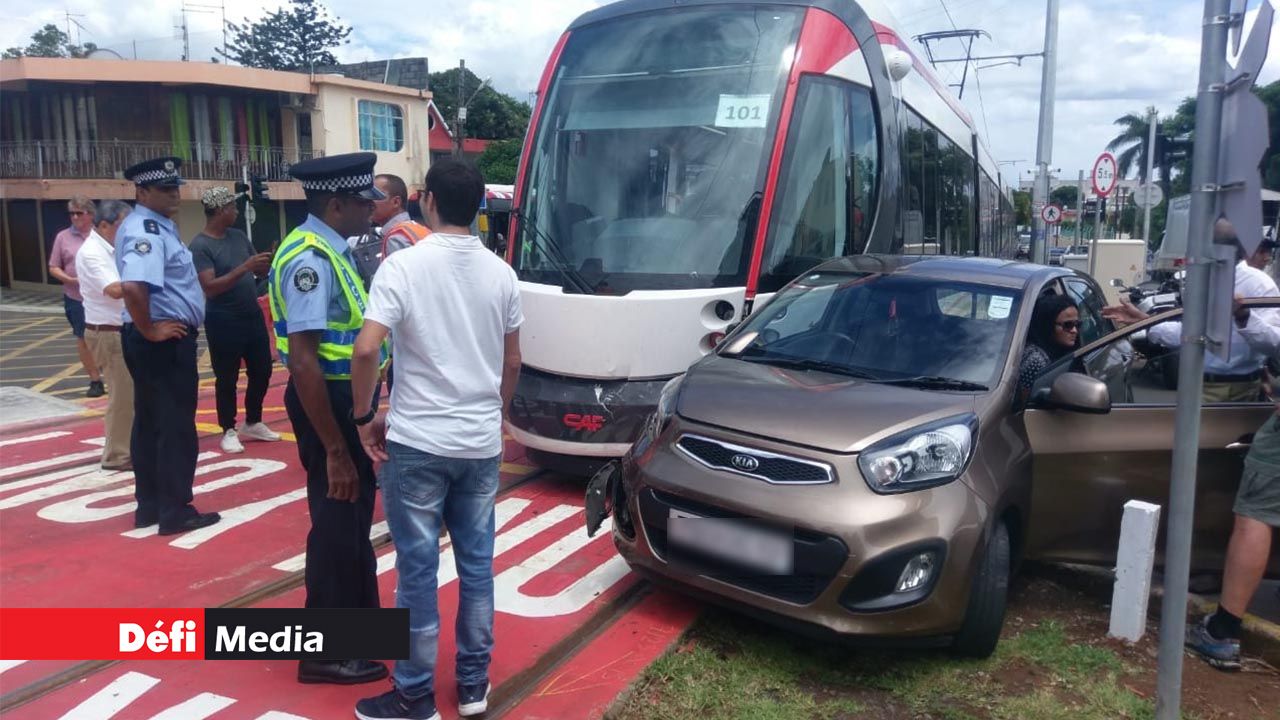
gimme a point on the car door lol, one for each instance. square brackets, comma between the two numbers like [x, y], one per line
[1085, 467]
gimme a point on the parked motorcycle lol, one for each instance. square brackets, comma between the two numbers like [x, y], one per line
[1153, 299]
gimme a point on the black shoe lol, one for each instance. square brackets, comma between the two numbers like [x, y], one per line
[473, 699]
[96, 389]
[391, 705]
[340, 672]
[194, 522]
[145, 518]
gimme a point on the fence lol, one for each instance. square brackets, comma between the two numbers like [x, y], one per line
[200, 161]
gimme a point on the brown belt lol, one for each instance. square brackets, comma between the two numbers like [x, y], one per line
[102, 328]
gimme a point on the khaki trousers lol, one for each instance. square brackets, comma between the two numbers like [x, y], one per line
[108, 353]
[1232, 392]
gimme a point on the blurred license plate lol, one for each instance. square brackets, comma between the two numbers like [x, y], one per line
[751, 545]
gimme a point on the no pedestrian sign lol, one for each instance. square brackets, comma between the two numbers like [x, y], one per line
[1051, 214]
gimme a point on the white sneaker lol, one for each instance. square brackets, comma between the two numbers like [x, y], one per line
[231, 442]
[259, 431]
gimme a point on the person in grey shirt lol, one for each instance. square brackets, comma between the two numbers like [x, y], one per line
[228, 267]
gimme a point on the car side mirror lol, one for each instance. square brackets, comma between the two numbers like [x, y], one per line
[1117, 283]
[1077, 392]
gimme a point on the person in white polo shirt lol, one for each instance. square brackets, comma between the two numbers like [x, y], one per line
[103, 319]
[452, 309]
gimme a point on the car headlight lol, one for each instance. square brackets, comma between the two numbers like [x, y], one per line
[658, 419]
[923, 457]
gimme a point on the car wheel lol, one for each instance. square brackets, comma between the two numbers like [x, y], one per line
[988, 597]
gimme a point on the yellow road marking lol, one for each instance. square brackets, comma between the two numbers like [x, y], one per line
[29, 325]
[515, 468]
[62, 374]
[214, 411]
[30, 346]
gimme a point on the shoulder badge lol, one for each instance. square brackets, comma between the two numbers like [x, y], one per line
[151, 226]
[142, 247]
[306, 279]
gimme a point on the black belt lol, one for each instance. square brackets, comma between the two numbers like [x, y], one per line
[102, 328]
[1251, 377]
[191, 329]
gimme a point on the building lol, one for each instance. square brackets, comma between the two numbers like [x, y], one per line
[71, 126]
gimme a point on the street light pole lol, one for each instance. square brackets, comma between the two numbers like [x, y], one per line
[1152, 122]
[1195, 322]
[1044, 145]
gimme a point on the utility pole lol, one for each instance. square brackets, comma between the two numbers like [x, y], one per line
[1152, 123]
[1195, 323]
[1044, 145]
[1080, 209]
[461, 115]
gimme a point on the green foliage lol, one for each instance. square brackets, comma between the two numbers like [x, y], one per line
[499, 161]
[50, 42]
[1022, 207]
[290, 38]
[1065, 195]
[491, 115]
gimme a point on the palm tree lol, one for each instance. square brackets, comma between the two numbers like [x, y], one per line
[1130, 145]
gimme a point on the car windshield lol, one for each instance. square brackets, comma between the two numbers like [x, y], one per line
[892, 328]
[652, 148]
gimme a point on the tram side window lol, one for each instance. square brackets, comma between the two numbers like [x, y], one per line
[827, 183]
[956, 181]
[912, 200]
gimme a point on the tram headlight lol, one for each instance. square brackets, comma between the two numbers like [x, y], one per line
[658, 419]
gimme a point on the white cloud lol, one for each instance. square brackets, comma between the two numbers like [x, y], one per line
[1114, 58]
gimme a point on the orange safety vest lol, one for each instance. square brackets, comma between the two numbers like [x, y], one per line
[409, 231]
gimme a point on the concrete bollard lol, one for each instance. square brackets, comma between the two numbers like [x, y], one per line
[1134, 563]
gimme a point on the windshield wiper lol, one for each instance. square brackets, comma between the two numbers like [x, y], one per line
[795, 363]
[551, 250]
[936, 382]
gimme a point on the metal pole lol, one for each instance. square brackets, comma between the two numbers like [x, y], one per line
[1186, 434]
[1044, 144]
[1080, 208]
[458, 111]
[1152, 121]
[248, 205]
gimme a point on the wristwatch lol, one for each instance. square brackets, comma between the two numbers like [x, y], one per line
[365, 419]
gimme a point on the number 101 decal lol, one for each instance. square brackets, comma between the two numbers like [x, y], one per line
[742, 111]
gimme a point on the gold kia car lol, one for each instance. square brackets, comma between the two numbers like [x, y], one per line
[868, 455]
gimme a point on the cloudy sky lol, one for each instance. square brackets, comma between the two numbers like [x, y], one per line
[1115, 57]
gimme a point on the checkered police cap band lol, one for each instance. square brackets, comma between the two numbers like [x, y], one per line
[351, 182]
[151, 176]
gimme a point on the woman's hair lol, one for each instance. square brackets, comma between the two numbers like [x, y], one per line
[1043, 320]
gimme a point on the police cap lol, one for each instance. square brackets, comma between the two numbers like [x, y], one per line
[158, 172]
[347, 174]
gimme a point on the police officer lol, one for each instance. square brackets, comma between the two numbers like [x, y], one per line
[164, 306]
[317, 304]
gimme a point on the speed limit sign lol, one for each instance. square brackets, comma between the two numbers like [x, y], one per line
[1105, 175]
[1051, 214]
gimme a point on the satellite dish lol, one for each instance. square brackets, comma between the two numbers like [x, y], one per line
[104, 54]
[899, 63]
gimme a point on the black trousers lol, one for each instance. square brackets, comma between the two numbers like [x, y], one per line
[231, 340]
[341, 569]
[164, 443]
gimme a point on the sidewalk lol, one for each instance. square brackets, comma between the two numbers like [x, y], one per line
[43, 301]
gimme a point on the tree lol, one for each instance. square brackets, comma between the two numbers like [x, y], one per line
[50, 42]
[1131, 144]
[499, 161]
[291, 38]
[1022, 207]
[1065, 196]
[490, 115]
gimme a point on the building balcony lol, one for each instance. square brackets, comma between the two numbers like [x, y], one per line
[51, 160]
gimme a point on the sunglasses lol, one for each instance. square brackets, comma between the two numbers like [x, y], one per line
[77, 212]
[1069, 325]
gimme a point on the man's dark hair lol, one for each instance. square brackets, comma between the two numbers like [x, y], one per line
[458, 188]
[395, 188]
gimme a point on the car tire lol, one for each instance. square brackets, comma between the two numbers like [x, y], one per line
[988, 598]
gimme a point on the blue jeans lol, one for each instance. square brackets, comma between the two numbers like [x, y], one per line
[420, 493]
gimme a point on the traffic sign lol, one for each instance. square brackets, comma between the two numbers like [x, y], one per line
[1147, 195]
[1051, 214]
[1105, 175]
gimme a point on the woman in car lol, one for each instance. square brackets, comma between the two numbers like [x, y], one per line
[1054, 332]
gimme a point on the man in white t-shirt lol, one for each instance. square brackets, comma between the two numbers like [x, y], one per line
[103, 320]
[452, 308]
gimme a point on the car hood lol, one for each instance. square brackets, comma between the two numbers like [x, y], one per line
[806, 407]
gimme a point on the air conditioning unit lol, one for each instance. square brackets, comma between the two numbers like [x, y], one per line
[297, 101]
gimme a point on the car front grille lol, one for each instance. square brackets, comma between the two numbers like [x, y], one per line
[753, 462]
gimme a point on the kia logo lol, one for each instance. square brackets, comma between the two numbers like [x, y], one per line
[745, 462]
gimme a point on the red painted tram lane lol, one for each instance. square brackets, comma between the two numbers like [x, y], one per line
[573, 628]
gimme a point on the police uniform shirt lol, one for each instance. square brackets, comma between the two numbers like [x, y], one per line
[149, 250]
[309, 283]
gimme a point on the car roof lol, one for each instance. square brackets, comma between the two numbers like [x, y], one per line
[985, 271]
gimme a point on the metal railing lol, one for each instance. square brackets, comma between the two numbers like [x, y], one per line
[47, 159]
